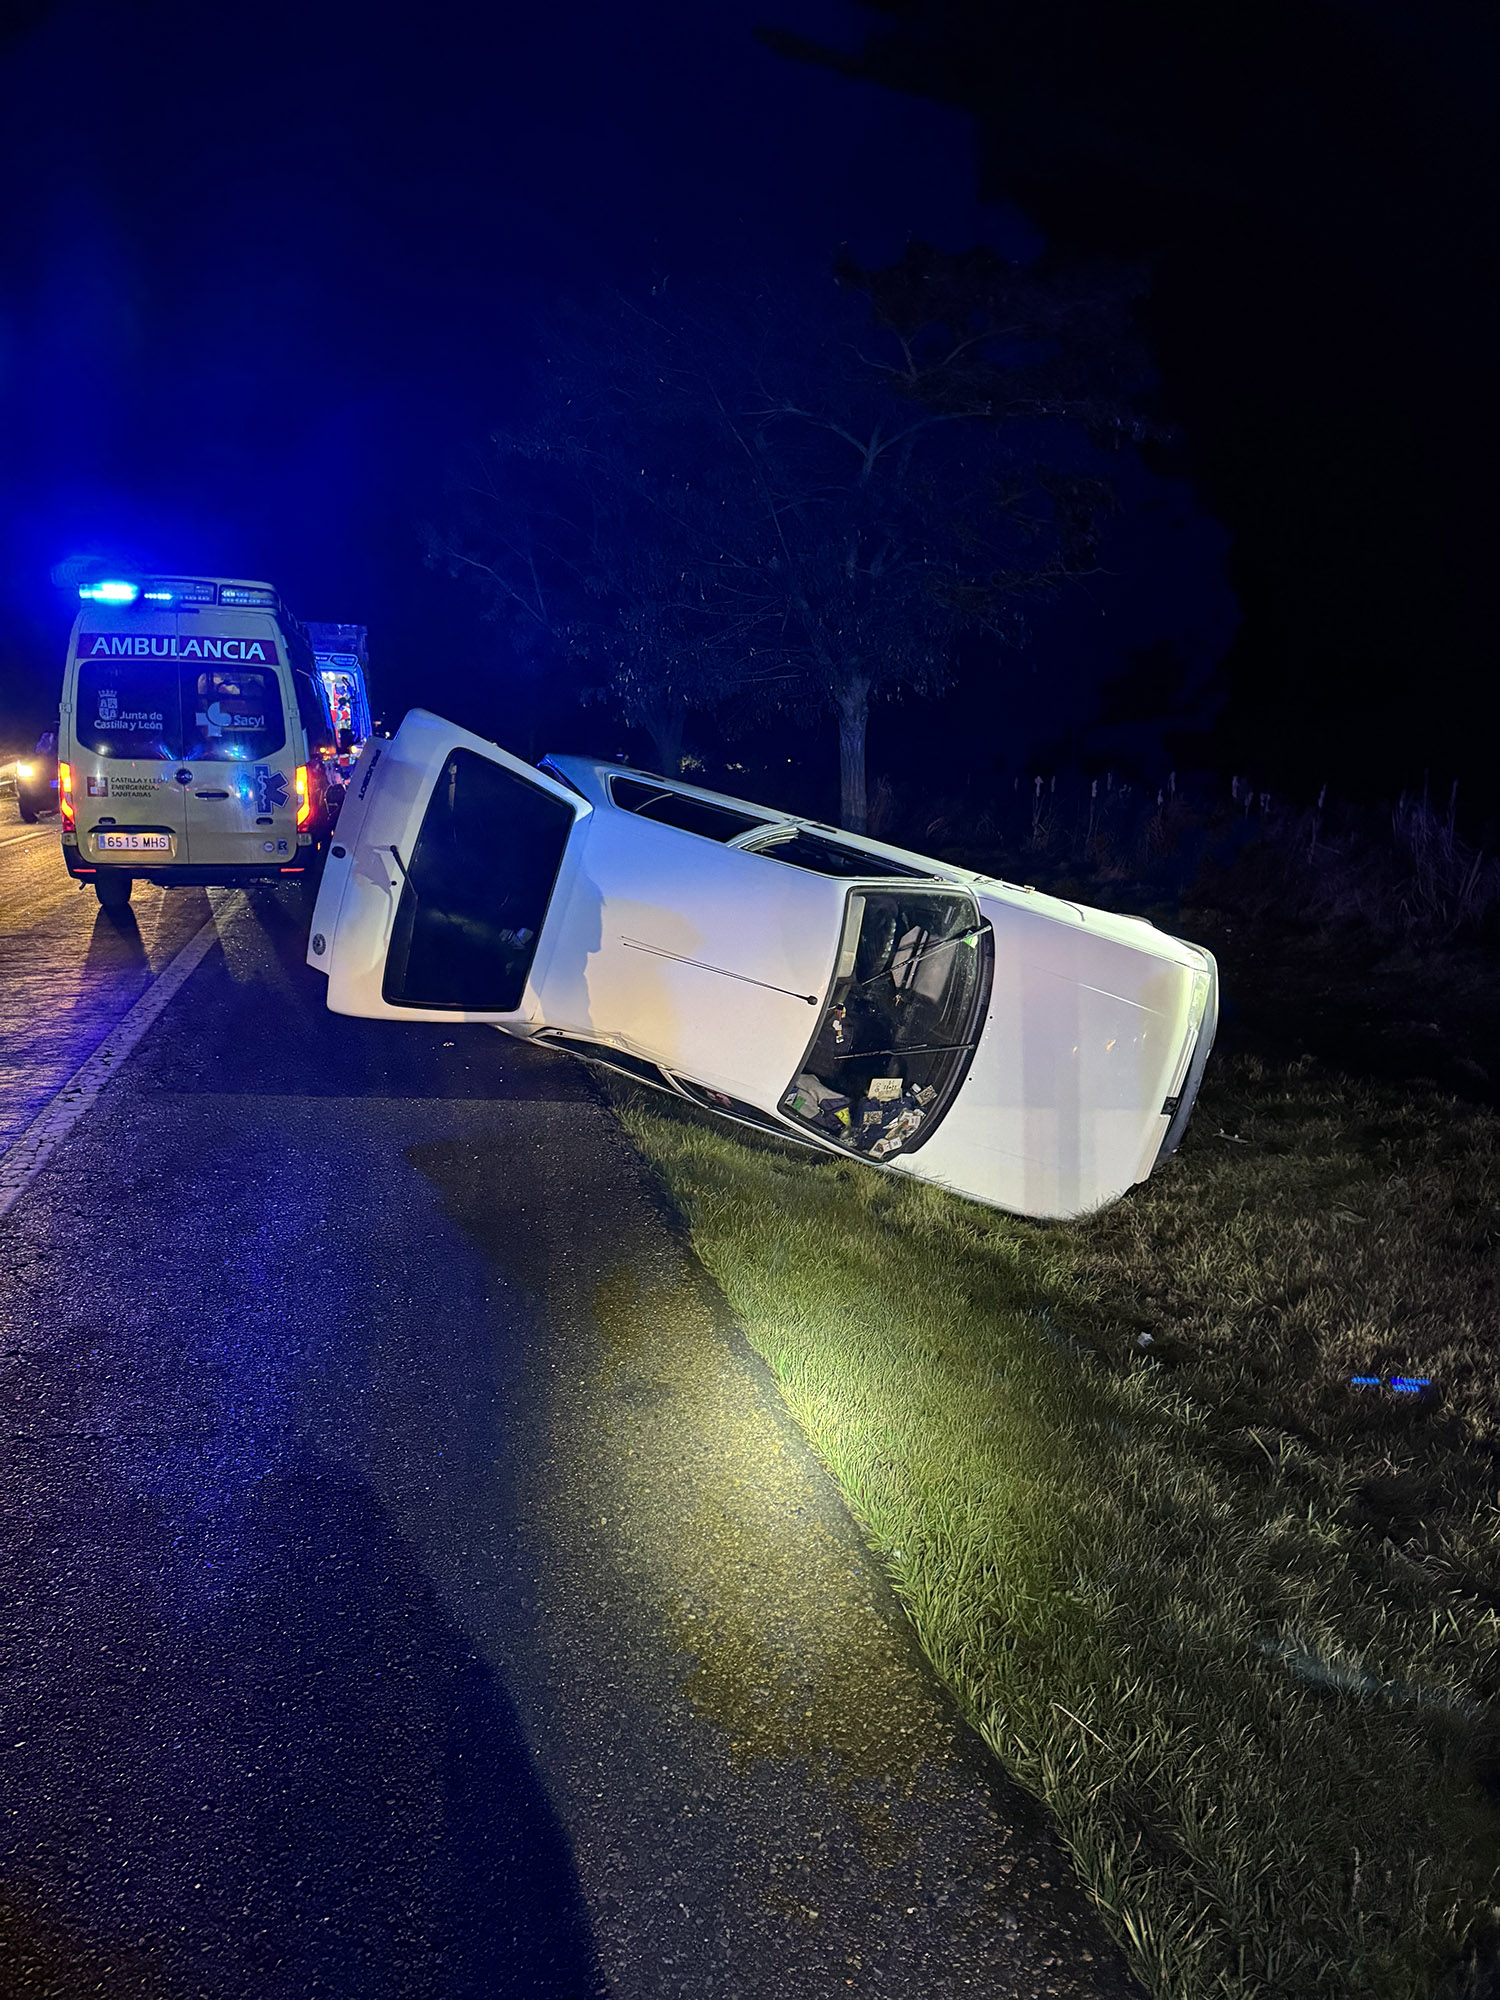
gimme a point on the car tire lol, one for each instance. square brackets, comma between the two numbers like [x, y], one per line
[28, 813]
[113, 891]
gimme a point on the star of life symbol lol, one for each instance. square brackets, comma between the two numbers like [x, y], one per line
[270, 788]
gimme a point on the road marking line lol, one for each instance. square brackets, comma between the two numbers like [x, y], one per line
[26, 833]
[26, 1155]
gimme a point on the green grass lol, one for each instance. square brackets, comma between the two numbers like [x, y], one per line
[1234, 1621]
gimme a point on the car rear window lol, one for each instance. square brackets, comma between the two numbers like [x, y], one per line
[688, 815]
[478, 882]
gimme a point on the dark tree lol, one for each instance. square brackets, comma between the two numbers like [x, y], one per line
[1314, 183]
[775, 507]
[580, 527]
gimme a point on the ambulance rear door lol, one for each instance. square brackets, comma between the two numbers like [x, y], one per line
[241, 739]
[120, 736]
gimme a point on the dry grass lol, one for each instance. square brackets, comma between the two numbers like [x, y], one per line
[1231, 1617]
[1405, 872]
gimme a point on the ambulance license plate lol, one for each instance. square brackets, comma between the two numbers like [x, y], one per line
[133, 843]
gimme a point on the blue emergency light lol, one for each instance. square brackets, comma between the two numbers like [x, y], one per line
[109, 593]
[173, 590]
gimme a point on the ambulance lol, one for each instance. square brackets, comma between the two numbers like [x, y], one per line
[194, 744]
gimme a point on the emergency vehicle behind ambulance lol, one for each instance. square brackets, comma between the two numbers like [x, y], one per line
[194, 745]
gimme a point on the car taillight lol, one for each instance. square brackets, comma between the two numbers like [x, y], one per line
[304, 802]
[65, 796]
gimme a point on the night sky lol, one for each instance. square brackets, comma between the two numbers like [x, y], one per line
[268, 270]
[1315, 183]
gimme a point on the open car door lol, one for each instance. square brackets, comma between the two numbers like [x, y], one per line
[437, 885]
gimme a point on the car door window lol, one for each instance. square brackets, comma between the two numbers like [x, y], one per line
[688, 815]
[477, 885]
[814, 851]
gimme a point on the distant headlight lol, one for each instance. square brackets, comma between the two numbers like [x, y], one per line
[26, 770]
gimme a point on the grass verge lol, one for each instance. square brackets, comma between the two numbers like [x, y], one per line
[1235, 1621]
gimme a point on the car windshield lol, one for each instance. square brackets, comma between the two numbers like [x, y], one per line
[901, 1019]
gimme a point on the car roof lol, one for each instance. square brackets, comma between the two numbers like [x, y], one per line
[591, 776]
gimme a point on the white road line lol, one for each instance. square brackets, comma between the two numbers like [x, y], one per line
[26, 833]
[27, 1154]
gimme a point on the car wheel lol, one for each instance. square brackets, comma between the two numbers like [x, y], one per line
[28, 813]
[113, 891]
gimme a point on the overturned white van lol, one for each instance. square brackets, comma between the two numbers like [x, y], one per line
[849, 995]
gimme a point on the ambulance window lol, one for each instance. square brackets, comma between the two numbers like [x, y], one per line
[298, 647]
[128, 708]
[232, 712]
[310, 712]
[478, 882]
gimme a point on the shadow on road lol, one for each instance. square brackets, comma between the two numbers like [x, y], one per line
[270, 1764]
[116, 944]
[38, 1959]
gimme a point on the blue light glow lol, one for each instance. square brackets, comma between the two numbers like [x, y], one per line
[1365, 1381]
[1410, 1385]
[109, 593]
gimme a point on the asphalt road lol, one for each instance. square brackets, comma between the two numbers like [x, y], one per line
[65, 977]
[411, 1585]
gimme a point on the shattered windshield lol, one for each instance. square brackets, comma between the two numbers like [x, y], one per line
[902, 1016]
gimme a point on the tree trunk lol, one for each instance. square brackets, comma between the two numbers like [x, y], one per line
[664, 726]
[853, 703]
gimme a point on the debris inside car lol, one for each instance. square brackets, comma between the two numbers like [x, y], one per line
[901, 1020]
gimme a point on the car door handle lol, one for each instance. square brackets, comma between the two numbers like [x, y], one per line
[210, 795]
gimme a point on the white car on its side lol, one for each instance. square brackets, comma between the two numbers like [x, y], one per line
[863, 1000]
